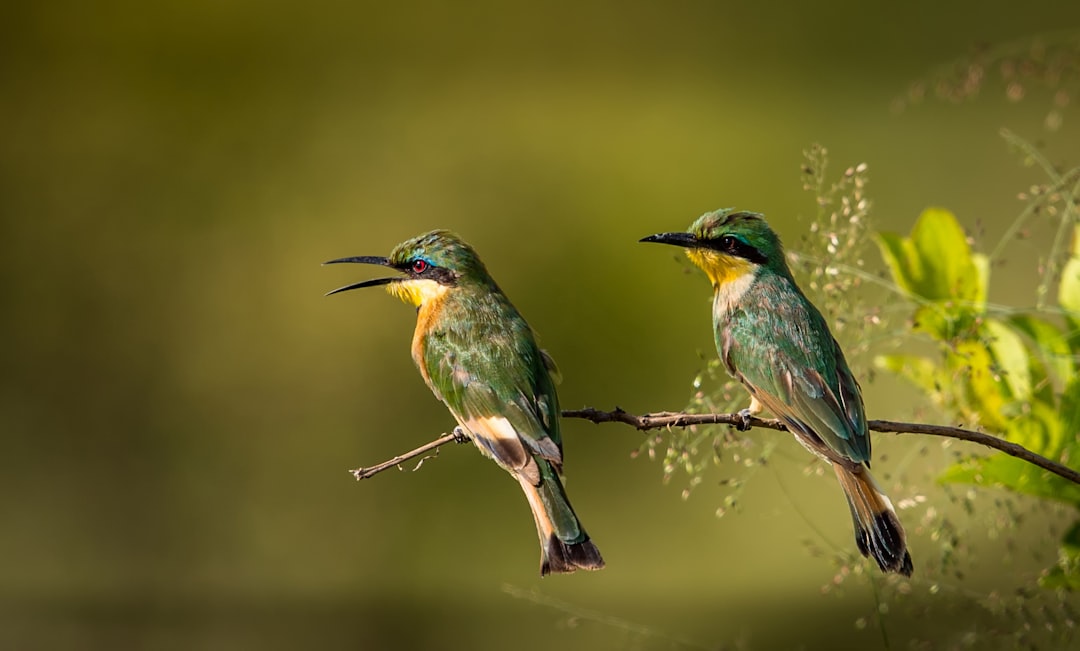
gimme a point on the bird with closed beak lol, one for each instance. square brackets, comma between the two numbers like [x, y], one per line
[776, 343]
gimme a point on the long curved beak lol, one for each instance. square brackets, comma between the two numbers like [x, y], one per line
[364, 259]
[686, 240]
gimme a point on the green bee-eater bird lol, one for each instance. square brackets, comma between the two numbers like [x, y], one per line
[479, 357]
[776, 343]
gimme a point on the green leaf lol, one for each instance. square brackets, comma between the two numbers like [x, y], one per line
[903, 261]
[1069, 289]
[935, 263]
[1038, 429]
[1066, 574]
[1011, 357]
[944, 321]
[1050, 342]
[1071, 541]
[1004, 471]
[1069, 415]
[982, 274]
[985, 397]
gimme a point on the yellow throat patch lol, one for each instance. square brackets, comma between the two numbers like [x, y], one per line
[427, 295]
[720, 267]
[417, 291]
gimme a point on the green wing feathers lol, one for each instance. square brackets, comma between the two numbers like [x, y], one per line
[796, 368]
[484, 364]
[491, 368]
[789, 361]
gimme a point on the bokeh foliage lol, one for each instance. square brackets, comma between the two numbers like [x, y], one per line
[1010, 371]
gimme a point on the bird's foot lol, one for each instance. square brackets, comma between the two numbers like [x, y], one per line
[460, 436]
[744, 419]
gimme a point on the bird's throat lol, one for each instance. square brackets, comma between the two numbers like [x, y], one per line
[417, 291]
[721, 268]
[429, 297]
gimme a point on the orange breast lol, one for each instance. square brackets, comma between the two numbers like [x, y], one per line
[426, 316]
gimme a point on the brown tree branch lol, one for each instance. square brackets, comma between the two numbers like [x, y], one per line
[666, 419]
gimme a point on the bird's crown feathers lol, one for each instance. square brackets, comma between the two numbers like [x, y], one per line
[442, 249]
[740, 233]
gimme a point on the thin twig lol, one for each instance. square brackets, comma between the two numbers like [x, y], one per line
[667, 419]
[368, 473]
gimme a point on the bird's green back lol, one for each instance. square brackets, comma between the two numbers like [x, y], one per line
[779, 343]
[482, 360]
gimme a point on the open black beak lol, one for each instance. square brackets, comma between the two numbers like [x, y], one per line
[686, 240]
[364, 259]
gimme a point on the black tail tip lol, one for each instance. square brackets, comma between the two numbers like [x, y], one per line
[885, 544]
[563, 558]
[906, 568]
[891, 564]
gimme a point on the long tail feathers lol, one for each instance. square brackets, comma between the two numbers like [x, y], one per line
[564, 545]
[878, 532]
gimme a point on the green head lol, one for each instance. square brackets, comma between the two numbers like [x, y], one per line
[432, 264]
[728, 244]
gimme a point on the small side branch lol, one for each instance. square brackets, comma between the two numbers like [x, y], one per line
[668, 419]
[371, 471]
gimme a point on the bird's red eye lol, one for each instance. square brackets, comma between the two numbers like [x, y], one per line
[419, 266]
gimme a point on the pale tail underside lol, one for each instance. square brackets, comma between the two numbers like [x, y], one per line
[878, 532]
[554, 516]
[564, 545]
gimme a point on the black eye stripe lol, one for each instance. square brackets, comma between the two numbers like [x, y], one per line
[421, 268]
[732, 245]
[441, 275]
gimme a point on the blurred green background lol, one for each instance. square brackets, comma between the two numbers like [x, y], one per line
[179, 403]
